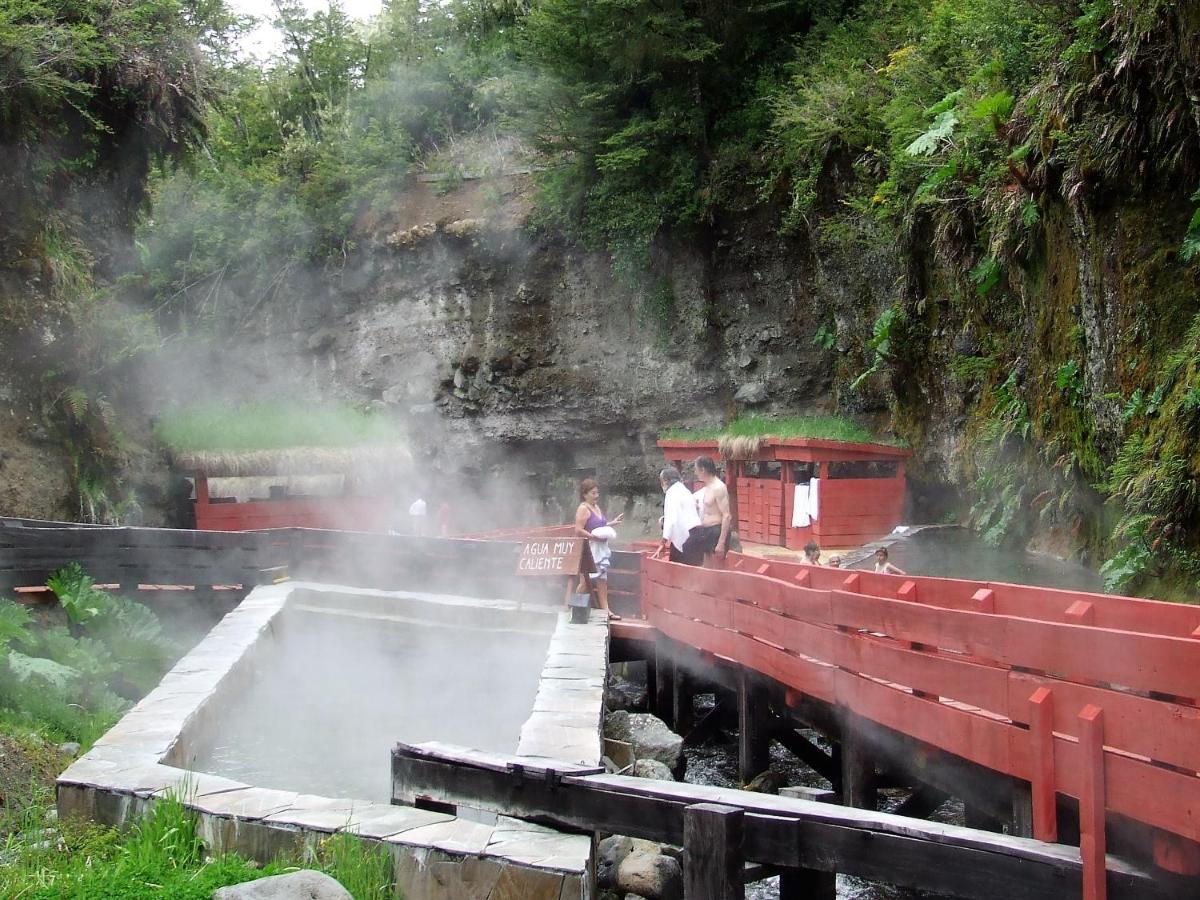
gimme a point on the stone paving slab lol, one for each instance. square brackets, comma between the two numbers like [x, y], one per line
[455, 836]
[128, 768]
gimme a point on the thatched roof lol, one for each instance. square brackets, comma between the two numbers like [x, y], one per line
[741, 447]
[374, 459]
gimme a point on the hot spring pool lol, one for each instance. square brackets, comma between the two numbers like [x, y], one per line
[331, 694]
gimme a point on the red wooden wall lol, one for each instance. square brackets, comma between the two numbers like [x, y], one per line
[348, 513]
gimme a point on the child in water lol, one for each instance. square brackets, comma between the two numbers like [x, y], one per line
[883, 566]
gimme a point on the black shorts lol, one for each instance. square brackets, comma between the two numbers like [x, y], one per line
[701, 539]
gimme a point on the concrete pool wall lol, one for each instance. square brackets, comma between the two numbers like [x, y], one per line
[436, 855]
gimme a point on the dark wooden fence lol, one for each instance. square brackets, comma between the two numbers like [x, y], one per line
[132, 557]
[801, 839]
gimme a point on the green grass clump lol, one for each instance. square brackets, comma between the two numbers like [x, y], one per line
[827, 428]
[161, 856]
[271, 426]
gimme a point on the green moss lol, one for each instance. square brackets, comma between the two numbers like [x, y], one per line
[268, 426]
[829, 428]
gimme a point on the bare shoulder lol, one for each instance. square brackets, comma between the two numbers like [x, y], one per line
[719, 489]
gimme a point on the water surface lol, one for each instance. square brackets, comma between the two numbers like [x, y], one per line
[331, 696]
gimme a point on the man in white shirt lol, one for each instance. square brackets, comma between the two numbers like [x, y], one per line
[679, 517]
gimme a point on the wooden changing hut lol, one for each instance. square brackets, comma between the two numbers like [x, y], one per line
[859, 488]
[303, 487]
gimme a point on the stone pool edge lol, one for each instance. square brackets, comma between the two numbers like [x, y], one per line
[436, 855]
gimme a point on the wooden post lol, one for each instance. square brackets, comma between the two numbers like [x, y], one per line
[1092, 844]
[754, 733]
[1022, 809]
[808, 884]
[785, 485]
[663, 701]
[1041, 734]
[858, 770]
[712, 852]
[732, 467]
[683, 702]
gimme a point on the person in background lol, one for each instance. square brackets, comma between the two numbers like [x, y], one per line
[591, 523]
[883, 566]
[835, 562]
[679, 518]
[812, 553]
[445, 518]
[416, 516]
[712, 504]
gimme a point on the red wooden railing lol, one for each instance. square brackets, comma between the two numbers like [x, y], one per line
[1088, 695]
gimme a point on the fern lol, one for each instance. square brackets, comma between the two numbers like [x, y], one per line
[938, 134]
[76, 400]
[1191, 241]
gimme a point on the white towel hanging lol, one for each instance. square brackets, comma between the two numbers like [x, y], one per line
[800, 518]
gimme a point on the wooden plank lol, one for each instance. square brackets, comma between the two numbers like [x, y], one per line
[712, 852]
[777, 831]
[1092, 842]
[953, 677]
[1167, 732]
[1073, 652]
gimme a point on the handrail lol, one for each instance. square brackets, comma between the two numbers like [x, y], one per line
[1026, 601]
[1032, 698]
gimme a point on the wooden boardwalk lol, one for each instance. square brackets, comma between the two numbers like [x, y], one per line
[1087, 696]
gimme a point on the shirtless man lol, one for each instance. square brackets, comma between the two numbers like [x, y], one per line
[712, 534]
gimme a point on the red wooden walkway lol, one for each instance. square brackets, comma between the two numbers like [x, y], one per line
[1089, 695]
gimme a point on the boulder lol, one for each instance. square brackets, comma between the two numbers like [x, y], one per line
[651, 768]
[647, 873]
[752, 393]
[650, 736]
[304, 885]
[609, 854]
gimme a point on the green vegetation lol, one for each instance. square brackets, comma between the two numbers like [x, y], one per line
[269, 426]
[828, 428]
[74, 680]
[162, 855]
[997, 157]
[71, 682]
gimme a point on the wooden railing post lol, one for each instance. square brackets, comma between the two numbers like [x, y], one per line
[1092, 844]
[984, 600]
[1041, 735]
[712, 852]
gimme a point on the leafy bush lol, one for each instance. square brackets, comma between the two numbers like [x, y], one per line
[78, 679]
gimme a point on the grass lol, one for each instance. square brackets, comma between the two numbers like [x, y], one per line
[272, 426]
[161, 856]
[828, 428]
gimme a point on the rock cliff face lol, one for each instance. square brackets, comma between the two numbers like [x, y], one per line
[517, 358]
[527, 358]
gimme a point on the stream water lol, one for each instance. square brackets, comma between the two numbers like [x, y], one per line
[956, 553]
[950, 553]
